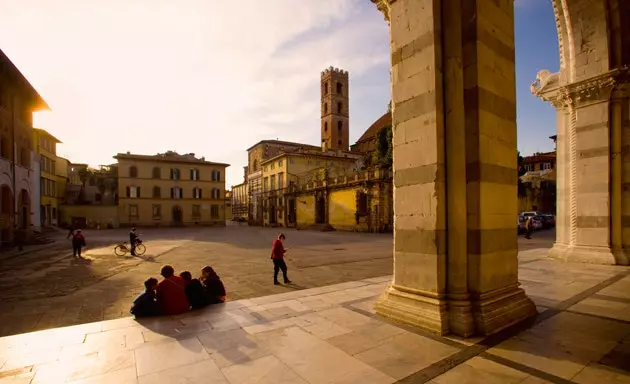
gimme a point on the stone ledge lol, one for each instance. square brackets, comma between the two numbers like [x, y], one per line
[589, 255]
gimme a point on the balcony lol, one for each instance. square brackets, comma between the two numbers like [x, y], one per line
[377, 174]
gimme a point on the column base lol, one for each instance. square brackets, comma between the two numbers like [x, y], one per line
[589, 254]
[500, 309]
[419, 309]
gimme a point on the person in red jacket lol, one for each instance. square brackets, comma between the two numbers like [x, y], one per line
[171, 293]
[277, 256]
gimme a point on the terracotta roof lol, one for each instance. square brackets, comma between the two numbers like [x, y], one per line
[371, 132]
[169, 157]
[345, 157]
[539, 157]
[280, 142]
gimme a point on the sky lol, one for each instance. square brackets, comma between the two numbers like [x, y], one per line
[214, 77]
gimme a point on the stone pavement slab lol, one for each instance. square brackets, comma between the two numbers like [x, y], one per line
[330, 334]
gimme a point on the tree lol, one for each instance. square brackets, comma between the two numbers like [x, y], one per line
[84, 175]
[384, 147]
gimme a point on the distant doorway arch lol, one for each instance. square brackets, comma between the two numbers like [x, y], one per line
[24, 209]
[178, 215]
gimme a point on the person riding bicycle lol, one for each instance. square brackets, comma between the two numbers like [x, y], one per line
[133, 239]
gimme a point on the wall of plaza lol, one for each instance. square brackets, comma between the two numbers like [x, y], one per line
[102, 216]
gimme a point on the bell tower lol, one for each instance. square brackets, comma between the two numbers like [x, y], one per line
[335, 109]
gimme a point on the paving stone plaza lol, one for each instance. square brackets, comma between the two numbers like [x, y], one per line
[321, 330]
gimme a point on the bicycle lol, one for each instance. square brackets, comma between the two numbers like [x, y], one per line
[123, 248]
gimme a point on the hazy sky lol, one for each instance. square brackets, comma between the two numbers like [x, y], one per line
[214, 77]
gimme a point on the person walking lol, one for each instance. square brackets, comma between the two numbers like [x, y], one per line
[133, 237]
[277, 256]
[78, 242]
[528, 228]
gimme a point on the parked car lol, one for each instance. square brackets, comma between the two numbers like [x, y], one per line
[537, 223]
[530, 213]
[549, 221]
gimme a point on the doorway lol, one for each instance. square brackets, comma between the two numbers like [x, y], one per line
[320, 210]
[178, 215]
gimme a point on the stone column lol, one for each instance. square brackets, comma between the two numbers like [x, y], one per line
[593, 162]
[455, 193]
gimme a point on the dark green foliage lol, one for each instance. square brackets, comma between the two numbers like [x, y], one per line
[384, 148]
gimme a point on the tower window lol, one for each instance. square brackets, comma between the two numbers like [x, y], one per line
[339, 142]
[339, 107]
[339, 88]
[326, 88]
[325, 108]
[339, 125]
[325, 126]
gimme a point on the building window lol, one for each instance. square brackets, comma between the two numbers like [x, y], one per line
[339, 107]
[280, 180]
[272, 182]
[133, 171]
[157, 192]
[214, 211]
[194, 174]
[339, 88]
[279, 163]
[197, 193]
[273, 165]
[547, 166]
[25, 157]
[196, 211]
[255, 165]
[157, 211]
[325, 126]
[174, 174]
[157, 173]
[133, 192]
[216, 176]
[133, 211]
[325, 88]
[340, 126]
[266, 184]
[176, 193]
[339, 142]
[216, 193]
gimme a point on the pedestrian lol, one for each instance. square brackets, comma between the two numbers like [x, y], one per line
[171, 293]
[78, 242]
[277, 256]
[194, 291]
[145, 304]
[133, 237]
[213, 286]
[528, 228]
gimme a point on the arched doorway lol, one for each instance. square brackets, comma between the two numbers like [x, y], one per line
[454, 92]
[178, 215]
[24, 209]
[6, 215]
[320, 208]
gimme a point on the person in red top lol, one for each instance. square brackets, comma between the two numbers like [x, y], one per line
[171, 293]
[277, 256]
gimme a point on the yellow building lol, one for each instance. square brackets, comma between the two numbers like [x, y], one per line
[285, 173]
[170, 189]
[46, 148]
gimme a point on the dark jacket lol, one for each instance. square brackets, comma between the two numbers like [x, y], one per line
[195, 294]
[132, 237]
[78, 240]
[214, 289]
[145, 305]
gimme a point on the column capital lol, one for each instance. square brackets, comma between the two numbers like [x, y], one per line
[383, 6]
[549, 87]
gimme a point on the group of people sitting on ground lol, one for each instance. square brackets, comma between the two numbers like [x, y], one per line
[178, 294]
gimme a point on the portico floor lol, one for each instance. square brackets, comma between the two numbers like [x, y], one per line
[331, 335]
